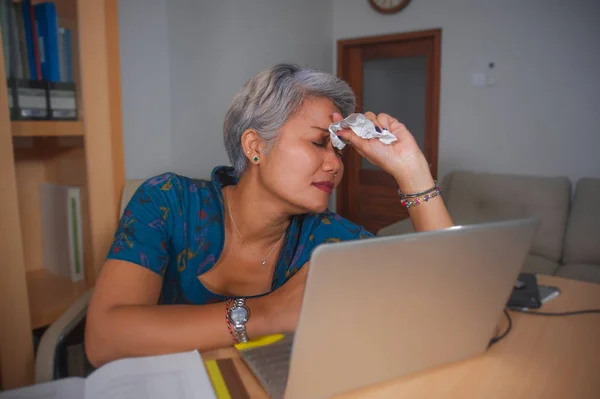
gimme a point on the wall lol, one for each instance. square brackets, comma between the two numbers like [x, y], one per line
[542, 116]
[145, 87]
[180, 75]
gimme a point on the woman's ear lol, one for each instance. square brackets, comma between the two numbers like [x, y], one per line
[252, 144]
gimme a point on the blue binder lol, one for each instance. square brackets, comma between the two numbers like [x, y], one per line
[47, 23]
[27, 18]
[68, 60]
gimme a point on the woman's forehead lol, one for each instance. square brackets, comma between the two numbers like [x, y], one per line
[316, 111]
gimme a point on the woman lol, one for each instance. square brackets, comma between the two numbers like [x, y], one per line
[249, 231]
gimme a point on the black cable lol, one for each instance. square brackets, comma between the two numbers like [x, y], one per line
[526, 311]
[505, 333]
[572, 313]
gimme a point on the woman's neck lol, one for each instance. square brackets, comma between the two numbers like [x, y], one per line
[254, 214]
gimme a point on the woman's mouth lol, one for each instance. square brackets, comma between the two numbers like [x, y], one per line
[326, 186]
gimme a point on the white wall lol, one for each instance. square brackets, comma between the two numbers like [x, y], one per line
[182, 64]
[543, 114]
[145, 87]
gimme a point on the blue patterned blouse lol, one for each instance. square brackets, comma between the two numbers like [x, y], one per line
[174, 226]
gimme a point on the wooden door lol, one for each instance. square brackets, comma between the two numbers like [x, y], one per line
[398, 75]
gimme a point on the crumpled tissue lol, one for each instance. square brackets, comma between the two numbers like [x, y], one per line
[362, 126]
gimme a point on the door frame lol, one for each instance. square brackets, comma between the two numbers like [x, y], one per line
[351, 49]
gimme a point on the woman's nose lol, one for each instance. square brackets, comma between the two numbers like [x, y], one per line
[332, 162]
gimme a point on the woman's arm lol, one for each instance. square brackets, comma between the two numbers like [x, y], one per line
[124, 319]
[404, 160]
[433, 214]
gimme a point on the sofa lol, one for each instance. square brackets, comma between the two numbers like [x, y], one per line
[567, 242]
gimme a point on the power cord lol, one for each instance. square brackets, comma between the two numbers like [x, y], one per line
[572, 313]
[526, 311]
[505, 333]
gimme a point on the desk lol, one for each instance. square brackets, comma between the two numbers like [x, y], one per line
[542, 357]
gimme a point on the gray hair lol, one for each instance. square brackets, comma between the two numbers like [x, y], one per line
[270, 98]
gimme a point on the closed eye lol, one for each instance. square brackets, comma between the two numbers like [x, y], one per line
[339, 153]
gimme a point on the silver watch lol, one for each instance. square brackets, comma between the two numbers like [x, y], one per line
[239, 314]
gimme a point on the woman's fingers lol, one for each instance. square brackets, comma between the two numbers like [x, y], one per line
[386, 121]
[358, 143]
[344, 133]
[337, 117]
[373, 118]
[347, 136]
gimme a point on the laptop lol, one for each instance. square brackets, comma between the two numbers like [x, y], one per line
[385, 307]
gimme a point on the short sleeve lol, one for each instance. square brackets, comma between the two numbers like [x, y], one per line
[342, 229]
[330, 227]
[363, 233]
[145, 227]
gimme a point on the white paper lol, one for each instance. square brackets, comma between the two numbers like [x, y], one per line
[68, 388]
[180, 375]
[362, 126]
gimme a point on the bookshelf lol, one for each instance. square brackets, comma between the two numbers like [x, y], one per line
[46, 128]
[87, 153]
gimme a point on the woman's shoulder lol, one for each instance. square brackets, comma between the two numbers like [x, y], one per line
[173, 194]
[173, 182]
[331, 227]
[174, 186]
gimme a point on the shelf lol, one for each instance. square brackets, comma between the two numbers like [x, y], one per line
[50, 295]
[46, 128]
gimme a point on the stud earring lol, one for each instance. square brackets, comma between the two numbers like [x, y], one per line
[255, 159]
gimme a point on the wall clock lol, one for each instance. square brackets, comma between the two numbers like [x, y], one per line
[388, 6]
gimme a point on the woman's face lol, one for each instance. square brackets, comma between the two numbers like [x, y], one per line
[303, 168]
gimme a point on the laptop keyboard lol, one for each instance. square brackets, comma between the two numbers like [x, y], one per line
[270, 365]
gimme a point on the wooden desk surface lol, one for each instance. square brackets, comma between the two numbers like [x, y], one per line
[542, 357]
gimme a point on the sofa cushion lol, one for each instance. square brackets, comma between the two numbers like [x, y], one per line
[473, 197]
[538, 264]
[582, 240]
[580, 271]
[402, 227]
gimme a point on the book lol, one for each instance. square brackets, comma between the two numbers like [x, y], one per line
[5, 34]
[14, 47]
[35, 71]
[64, 49]
[19, 24]
[62, 230]
[47, 26]
[179, 375]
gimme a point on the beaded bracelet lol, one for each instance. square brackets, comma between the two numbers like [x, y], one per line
[417, 201]
[436, 187]
[227, 307]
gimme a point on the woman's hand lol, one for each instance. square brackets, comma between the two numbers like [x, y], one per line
[403, 158]
[283, 304]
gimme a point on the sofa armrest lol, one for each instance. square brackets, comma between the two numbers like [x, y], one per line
[583, 227]
[46, 353]
[402, 227]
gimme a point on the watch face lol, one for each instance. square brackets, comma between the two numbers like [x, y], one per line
[239, 314]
